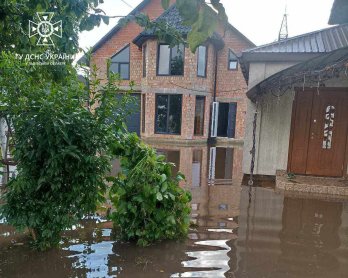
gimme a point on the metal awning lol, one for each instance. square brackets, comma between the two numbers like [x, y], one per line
[311, 73]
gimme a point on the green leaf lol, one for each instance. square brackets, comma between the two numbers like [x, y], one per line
[164, 187]
[105, 19]
[165, 4]
[163, 178]
[159, 196]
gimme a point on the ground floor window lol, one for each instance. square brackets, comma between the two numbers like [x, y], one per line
[168, 114]
[199, 115]
[227, 120]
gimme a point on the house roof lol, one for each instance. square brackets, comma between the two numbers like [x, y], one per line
[173, 18]
[171, 15]
[306, 73]
[339, 12]
[298, 48]
[324, 40]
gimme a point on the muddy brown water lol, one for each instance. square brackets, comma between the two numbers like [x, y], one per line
[240, 233]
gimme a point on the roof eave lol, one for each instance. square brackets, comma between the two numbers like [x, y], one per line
[322, 60]
[253, 57]
[117, 27]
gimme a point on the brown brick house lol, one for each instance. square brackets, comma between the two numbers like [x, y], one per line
[175, 88]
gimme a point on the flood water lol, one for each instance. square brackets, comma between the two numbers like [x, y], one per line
[241, 232]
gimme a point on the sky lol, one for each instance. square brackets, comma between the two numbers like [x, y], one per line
[258, 20]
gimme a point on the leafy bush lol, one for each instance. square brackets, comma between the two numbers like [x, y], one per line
[149, 203]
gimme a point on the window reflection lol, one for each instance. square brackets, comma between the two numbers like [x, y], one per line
[196, 167]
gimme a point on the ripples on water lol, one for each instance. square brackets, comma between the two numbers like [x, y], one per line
[269, 235]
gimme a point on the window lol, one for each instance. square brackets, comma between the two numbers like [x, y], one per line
[168, 114]
[120, 63]
[232, 61]
[202, 61]
[227, 117]
[143, 100]
[199, 115]
[144, 60]
[170, 60]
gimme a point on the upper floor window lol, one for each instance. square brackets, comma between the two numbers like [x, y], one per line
[170, 60]
[120, 63]
[232, 61]
[199, 115]
[202, 61]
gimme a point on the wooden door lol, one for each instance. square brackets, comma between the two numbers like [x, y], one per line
[319, 133]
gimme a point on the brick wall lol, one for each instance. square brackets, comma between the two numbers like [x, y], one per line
[122, 38]
[231, 86]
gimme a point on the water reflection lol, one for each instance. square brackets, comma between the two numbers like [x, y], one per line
[215, 260]
[94, 258]
[215, 203]
[292, 237]
[272, 236]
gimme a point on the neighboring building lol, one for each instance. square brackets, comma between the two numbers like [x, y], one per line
[175, 88]
[298, 88]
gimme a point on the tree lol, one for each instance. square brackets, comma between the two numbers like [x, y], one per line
[78, 16]
[62, 148]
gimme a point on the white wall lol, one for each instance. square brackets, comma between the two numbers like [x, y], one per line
[274, 121]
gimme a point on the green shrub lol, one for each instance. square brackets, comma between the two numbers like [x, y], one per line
[149, 203]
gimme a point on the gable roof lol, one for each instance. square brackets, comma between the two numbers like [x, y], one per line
[119, 26]
[321, 41]
[339, 12]
[174, 19]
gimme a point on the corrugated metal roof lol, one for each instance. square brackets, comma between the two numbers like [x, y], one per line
[321, 41]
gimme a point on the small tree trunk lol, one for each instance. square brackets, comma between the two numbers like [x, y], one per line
[33, 234]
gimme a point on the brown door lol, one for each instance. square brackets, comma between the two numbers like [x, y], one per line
[319, 133]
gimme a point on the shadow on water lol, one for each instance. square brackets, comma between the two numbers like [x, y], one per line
[266, 235]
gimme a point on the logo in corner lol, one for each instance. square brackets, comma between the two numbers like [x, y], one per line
[44, 28]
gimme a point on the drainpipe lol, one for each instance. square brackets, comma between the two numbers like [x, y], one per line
[212, 140]
[216, 70]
